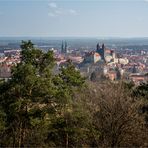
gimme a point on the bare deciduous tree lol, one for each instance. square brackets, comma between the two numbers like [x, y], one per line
[115, 116]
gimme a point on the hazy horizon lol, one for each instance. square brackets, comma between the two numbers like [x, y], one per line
[98, 37]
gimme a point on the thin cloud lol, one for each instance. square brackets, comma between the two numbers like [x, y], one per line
[62, 12]
[73, 12]
[52, 5]
[56, 11]
[51, 14]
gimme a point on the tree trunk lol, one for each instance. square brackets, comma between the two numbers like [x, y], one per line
[14, 138]
[20, 136]
[67, 136]
[67, 140]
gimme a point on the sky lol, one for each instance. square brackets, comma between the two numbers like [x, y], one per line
[74, 18]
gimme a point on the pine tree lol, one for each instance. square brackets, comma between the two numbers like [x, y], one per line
[26, 95]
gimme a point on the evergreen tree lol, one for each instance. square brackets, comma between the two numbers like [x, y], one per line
[24, 96]
[67, 123]
[37, 102]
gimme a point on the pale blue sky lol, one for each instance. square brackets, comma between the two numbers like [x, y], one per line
[91, 18]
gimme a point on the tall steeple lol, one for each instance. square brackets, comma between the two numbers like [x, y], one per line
[65, 49]
[103, 51]
[62, 47]
[98, 46]
[103, 46]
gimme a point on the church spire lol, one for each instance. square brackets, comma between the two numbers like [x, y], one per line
[98, 46]
[62, 47]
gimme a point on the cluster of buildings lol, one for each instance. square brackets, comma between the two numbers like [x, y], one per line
[103, 63]
[98, 64]
[8, 59]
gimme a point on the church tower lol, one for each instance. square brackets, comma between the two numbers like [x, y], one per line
[62, 47]
[98, 46]
[65, 49]
[103, 52]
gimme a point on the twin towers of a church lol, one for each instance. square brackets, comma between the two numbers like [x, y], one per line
[101, 51]
[64, 47]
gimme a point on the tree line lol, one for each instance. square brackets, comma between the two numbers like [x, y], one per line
[39, 108]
